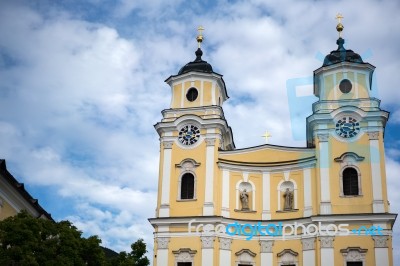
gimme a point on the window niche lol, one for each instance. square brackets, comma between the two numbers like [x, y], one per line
[187, 181]
[245, 197]
[287, 196]
[350, 174]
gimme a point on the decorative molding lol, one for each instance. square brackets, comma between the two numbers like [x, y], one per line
[373, 135]
[184, 254]
[287, 256]
[308, 243]
[168, 144]
[326, 241]
[207, 241]
[245, 256]
[323, 137]
[266, 246]
[380, 241]
[345, 155]
[225, 243]
[162, 242]
[210, 141]
[187, 165]
[353, 254]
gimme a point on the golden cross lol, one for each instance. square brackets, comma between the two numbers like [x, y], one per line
[267, 135]
[200, 36]
[339, 17]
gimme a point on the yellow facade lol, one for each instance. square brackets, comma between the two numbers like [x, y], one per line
[324, 204]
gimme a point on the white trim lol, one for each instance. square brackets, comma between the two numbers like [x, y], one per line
[309, 257]
[225, 193]
[208, 208]
[207, 256]
[224, 257]
[162, 257]
[201, 92]
[267, 259]
[381, 256]
[307, 192]
[335, 87]
[266, 192]
[213, 93]
[324, 163]
[165, 184]
[356, 90]
[183, 95]
[327, 257]
[376, 176]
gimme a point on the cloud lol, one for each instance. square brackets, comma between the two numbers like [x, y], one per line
[82, 86]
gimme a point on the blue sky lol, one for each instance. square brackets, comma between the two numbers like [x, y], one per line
[82, 85]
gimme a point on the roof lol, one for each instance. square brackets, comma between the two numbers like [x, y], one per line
[198, 65]
[19, 187]
[342, 55]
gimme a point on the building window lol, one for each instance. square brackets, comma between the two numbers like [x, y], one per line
[184, 264]
[354, 263]
[187, 186]
[350, 182]
[192, 94]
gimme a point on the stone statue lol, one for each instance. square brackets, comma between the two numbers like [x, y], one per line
[288, 195]
[244, 198]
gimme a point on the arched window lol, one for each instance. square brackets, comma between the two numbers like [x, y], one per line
[187, 186]
[350, 182]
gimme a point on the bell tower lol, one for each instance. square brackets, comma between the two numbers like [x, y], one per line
[347, 129]
[191, 132]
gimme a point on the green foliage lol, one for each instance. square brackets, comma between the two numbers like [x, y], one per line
[25, 240]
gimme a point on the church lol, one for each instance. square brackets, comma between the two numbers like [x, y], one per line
[324, 204]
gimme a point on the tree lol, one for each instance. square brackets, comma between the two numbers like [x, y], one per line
[25, 240]
[135, 257]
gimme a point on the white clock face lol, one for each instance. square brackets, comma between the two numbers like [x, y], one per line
[347, 127]
[189, 135]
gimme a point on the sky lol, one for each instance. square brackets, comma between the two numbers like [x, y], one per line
[82, 84]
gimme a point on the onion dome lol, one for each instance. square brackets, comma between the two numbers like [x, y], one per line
[198, 65]
[341, 54]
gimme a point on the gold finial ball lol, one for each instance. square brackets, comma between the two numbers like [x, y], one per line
[339, 27]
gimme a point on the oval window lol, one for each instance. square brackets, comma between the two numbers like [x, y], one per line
[192, 94]
[345, 86]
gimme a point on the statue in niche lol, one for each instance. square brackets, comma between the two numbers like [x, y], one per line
[288, 195]
[244, 199]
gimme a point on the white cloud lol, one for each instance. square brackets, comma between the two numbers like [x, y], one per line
[78, 99]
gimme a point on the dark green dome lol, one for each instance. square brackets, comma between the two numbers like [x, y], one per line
[198, 65]
[342, 55]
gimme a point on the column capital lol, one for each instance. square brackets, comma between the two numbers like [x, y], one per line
[326, 241]
[225, 243]
[323, 137]
[168, 144]
[308, 243]
[380, 241]
[373, 135]
[162, 242]
[210, 141]
[207, 241]
[266, 246]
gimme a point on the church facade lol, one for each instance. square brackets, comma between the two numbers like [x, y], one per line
[324, 204]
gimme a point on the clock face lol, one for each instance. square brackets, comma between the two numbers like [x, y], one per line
[347, 127]
[189, 135]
